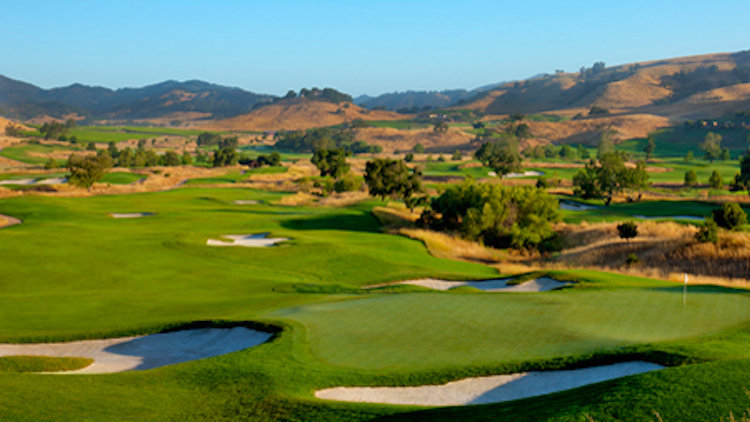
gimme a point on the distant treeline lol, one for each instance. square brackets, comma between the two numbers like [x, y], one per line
[323, 139]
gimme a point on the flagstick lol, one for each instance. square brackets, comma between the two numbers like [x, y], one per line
[684, 291]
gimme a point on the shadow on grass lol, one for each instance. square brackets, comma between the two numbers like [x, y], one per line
[361, 222]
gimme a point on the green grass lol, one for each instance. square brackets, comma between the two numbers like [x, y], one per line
[20, 364]
[72, 272]
[121, 178]
[33, 153]
[123, 133]
[234, 176]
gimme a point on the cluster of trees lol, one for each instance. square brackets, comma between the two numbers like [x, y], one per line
[501, 155]
[323, 138]
[144, 157]
[86, 170]
[325, 94]
[608, 176]
[566, 152]
[730, 216]
[272, 160]
[53, 130]
[500, 216]
[12, 129]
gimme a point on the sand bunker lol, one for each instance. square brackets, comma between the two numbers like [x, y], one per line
[524, 174]
[145, 352]
[130, 214]
[541, 284]
[26, 182]
[493, 389]
[259, 240]
[576, 206]
[247, 202]
[6, 220]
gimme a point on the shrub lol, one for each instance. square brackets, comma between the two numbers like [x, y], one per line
[51, 164]
[347, 183]
[691, 179]
[730, 216]
[418, 148]
[457, 156]
[409, 157]
[631, 260]
[715, 181]
[709, 232]
[627, 230]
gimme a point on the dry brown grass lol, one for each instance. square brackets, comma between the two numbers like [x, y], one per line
[299, 114]
[392, 140]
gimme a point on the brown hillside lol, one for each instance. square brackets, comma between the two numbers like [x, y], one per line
[299, 114]
[588, 131]
[679, 88]
[396, 140]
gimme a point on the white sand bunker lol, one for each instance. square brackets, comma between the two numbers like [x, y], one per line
[524, 174]
[541, 284]
[247, 202]
[52, 181]
[576, 206]
[259, 240]
[145, 352]
[493, 389]
[17, 182]
[130, 214]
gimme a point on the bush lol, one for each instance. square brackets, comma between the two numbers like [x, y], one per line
[418, 148]
[457, 156]
[715, 181]
[730, 216]
[627, 230]
[631, 260]
[709, 232]
[691, 179]
[347, 183]
[409, 157]
[51, 164]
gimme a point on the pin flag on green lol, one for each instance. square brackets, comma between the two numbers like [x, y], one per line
[684, 290]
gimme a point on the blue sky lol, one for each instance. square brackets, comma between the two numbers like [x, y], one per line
[355, 46]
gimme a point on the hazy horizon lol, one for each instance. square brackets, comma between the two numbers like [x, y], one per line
[356, 48]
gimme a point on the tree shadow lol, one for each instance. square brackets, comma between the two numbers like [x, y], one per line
[360, 222]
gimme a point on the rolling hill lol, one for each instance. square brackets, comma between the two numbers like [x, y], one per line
[680, 88]
[25, 101]
[299, 113]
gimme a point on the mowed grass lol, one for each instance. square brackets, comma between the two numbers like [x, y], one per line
[121, 178]
[70, 271]
[34, 153]
[437, 331]
[158, 270]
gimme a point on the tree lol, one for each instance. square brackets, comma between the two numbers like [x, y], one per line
[744, 177]
[517, 216]
[725, 154]
[500, 155]
[86, 170]
[12, 129]
[409, 157]
[689, 156]
[650, 147]
[567, 152]
[708, 232]
[112, 149]
[440, 127]
[125, 158]
[186, 159]
[730, 216]
[606, 144]
[582, 152]
[596, 110]
[225, 157]
[711, 146]
[206, 139]
[523, 131]
[609, 177]
[347, 183]
[330, 162]
[715, 181]
[457, 156]
[691, 179]
[627, 230]
[51, 164]
[386, 177]
[171, 159]
[419, 148]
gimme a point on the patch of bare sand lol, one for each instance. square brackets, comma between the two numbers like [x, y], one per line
[492, 389]
[145, 352]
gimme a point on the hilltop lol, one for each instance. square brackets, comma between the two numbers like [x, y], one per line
[299, 113]
[679, 88]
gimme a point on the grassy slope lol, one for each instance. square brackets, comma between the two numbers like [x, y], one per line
[143, 274]
[41, 364]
